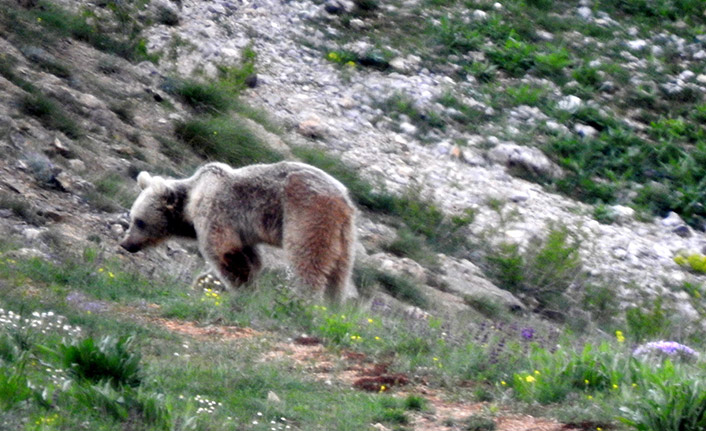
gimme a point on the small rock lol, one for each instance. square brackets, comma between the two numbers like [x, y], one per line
[621, 213]
[399, 64]
[585, 13]
[701, 79]
[570, 104]
[334, 7]
[77, 165]
[672, 220]
[273, 398]
[251, 80]
[408, 128]
[636, 45]
[682, 231]
[527, 160]
[585, 131]
[117, 230]
[62, 149]
[607, 87]
[479, 15]
[312, 128]
[686, 75]
[32, 234]
[357, 24]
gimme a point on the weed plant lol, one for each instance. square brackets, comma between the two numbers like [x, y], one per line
[225, 139]
[48, 112]
[544, 272]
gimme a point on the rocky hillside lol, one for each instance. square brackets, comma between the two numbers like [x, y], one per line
[558, 141]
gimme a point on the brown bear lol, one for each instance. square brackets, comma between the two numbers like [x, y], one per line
[230, 211]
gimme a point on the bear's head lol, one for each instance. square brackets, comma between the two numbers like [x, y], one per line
[155, 215]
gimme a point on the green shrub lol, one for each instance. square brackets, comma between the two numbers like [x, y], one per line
[48, 112]
[544, 272]
[415, 402]
[367, 278]
[515, 57]
[669, 398]
[647, 321]
[110, 360]
[13, 388]
[553, 64]
[225, 139]
[479, 422]
[407, 244]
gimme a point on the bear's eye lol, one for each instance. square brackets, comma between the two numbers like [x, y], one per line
[140, 224]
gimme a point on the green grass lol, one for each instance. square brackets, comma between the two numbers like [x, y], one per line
[545, 271]
[225, 139]
[49, 113]
[158, 379]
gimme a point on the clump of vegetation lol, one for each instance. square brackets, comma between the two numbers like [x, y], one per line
[402, 288]
[49, 113]
[226, 139]
[22, 209]
[544, 272]
[479, 422]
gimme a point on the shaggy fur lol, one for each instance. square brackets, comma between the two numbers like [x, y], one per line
[229, 211]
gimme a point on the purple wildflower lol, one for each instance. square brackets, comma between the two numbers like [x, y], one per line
[527, 333]
[670, 348]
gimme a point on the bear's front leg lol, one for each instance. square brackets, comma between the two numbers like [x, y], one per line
[240, 266]
[232, 261]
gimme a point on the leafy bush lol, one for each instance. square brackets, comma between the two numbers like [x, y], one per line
[669, 398]
[48, 112]
[647, 321]
[515, 57]
[225, 139]
[544, 272]
[209, 98]
[366, 277]
[479, 422]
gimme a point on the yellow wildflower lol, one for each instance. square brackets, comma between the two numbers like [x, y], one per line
[536, 372]
[383, 388]
[502, 382]
[619, 335]
[350, 64]
[615, 386]
[589, 397]
[370, 320]
[333, 56]
[530, 379]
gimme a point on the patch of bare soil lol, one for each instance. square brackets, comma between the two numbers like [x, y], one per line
[356, 370]
[210, 331]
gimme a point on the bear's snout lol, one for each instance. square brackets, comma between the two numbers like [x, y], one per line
[130, 246]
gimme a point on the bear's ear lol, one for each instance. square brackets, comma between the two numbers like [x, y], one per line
[159, 185]
[144, 179]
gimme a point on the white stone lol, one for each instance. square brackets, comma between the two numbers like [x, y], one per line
[636, 45]
[408, 128]
[672, 220]
[570, 103]
[686, 75]
[585, 13]
[479, 15]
